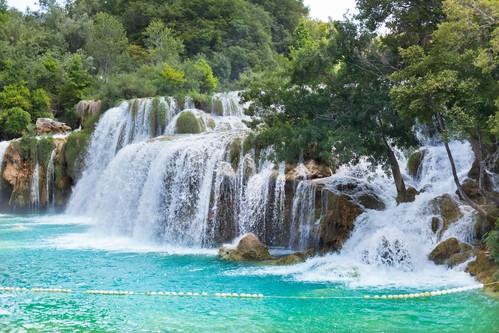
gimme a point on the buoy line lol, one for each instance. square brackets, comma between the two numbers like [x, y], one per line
[426, 294]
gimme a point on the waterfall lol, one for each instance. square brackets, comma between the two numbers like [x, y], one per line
[304, 222]
[195, 190]
[50, 180]
[35, 186]
[3, 147]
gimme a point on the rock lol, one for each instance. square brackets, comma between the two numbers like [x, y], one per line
[47, 125]
[87, 108]
[408, 196]
[435, 224]
[360, 192]
[448, 209]
[486, 270]
[294, 258]
[337, 223]
[414, 162]
[308, 170]
[249, 248]
[450, 252]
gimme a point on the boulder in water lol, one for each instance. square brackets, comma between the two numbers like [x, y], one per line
[294, 258]
[414, 162]
[451, 252]
[249, 248]
[448, 209]
[47, 125]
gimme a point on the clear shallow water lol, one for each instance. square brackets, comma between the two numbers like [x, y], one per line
[63, 252]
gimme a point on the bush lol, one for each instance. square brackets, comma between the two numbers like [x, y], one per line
[493, 242]
[159, 112]
[16, 120]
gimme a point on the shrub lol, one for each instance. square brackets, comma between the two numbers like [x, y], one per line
[16, 120]
[493, 242]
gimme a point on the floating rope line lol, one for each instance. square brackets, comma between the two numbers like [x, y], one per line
[426, 294]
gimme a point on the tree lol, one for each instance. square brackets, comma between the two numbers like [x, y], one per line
[108, 43]
[162, 44]
[14, 122]
[453, 83]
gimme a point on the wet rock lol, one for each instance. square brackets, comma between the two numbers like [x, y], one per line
[448, 210]
[435, 224]
[338, 222]
[249, 248]
[450, 252]
[294, 258]
[308, 170]
[409, 195]
[47, 125]
[485, 269]
[414, 162]
[360, 192]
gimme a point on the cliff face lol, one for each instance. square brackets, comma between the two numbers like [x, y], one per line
[38, 172]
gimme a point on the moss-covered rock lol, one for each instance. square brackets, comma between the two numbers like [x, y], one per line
[450, 252]
[249, 248]
[74, 152]
[408, 196]
[188, 123]
[485, 269]
[448, 210]
[414, 162]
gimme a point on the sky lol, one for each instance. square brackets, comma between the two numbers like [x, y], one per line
[319, 9]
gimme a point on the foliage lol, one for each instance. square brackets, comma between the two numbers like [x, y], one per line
[108, 43]
[14, 121]
[493, 242]
[74, 152]
[157, 120]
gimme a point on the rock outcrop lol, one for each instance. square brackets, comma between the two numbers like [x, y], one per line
[47, 125]
[451, 253]
[87, 108]
[249, 248]
[449, 212]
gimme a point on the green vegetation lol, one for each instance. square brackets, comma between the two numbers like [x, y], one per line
[493, 242]
[115, 50]
[187, 122]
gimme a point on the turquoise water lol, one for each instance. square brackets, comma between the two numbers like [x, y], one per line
[59, 252]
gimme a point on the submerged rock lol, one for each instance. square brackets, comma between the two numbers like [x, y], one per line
[249, 248]
[451, 252]
[294, 258]
[47, 125]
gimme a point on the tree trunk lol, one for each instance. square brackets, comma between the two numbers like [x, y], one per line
[397, 175]
[463, 195]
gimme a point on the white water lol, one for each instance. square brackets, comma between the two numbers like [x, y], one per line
[180, 190]
[35, 186]
[50, 180]
[188, 191]
[389, 248]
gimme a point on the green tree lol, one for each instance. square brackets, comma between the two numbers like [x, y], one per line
[14, 122]
[108, 43]
[162, 44]
[453, 83]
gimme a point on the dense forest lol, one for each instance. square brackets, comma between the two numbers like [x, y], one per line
[333, 91]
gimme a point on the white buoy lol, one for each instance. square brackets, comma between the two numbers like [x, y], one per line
[254, 295]
[160, 293]
[167, 293]
[195, 294]
[180, 294]
[383, 296]
[204, 294]
[235, 295]
[217, 295]
[390, 296]
[260, 295]
[189, 294]
[174, 294]
[411, 295]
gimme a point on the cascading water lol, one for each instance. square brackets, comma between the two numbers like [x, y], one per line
[390, 246]
[35, 186]
[197, 190]
[50, 180]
